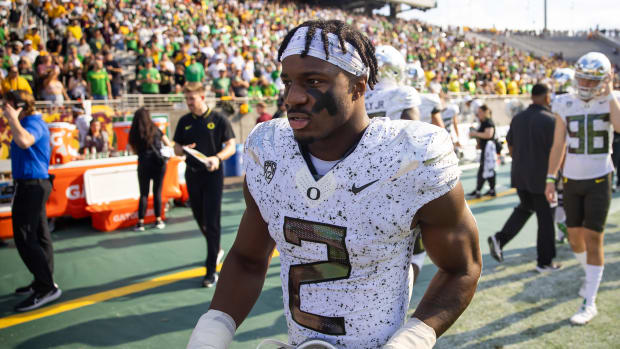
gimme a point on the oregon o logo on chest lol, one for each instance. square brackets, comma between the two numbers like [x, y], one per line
[313, 193]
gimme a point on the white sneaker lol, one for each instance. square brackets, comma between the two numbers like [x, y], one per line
[220, 255]
[584, 315]
[160, 225]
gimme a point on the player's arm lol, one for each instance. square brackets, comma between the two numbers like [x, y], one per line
[410, 114]
[240, 283]
[556, 155]
[436, 119]
[450, 236]
[455, 122]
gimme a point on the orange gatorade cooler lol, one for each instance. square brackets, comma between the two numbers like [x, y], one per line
[161, 123]
[121, 130]
[62, 137]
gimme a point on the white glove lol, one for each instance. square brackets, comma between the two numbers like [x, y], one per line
[414, 334]
[214, 330]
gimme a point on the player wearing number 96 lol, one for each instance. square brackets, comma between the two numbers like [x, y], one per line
[583, 130]
[338, 194]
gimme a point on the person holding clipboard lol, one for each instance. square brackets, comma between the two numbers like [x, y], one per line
[210, 134]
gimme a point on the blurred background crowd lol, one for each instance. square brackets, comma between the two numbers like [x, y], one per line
[96, 49]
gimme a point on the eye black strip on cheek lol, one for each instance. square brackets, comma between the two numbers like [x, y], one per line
[324, 100]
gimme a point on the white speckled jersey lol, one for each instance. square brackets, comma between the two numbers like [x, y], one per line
[430, 101]
[447, 115]
[390, 100]
[588, 138]
[345, 240]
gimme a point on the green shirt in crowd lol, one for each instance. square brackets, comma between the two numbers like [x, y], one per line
[195, 73]
[147, 87]
[98, 82]
[221, 84]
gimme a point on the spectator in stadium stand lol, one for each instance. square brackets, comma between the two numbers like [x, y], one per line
[25, 71]
[262, 114]
[15, 82]
[115, 70]
[179, 75]
[17, 51]
[146, 140]
[97, 140]
[210, 133]
[484, 134]
[166, 71]
[529, 142]
[195, 71]
[149, 78]
[221, 85]
[98, 80]
[53, 46]
[52, 89]
[74, 59]
[30, 158]
[239, 85]
[29, 52]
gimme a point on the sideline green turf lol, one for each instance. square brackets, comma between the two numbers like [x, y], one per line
[514, 307]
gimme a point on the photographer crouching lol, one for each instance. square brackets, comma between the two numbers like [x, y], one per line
[30, 158]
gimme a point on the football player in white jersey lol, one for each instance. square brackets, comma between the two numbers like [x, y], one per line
[338, 194]
[583, 130]
[390, 97]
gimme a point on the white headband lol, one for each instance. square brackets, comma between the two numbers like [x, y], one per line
[349, 60]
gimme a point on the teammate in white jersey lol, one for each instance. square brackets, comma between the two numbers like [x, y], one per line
[583, 129]
[389, 97]
[338, 194]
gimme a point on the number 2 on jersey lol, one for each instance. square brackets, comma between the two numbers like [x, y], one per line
[336, 267]
[587, 132]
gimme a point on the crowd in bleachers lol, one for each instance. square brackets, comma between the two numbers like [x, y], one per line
[231, 46]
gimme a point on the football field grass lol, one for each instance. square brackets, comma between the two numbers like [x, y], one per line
[141, 290]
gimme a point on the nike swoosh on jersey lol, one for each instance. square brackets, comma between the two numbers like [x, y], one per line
[600, 180]
[356, 190]
[188, 127]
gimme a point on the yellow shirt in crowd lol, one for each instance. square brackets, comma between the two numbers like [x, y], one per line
[15, 84]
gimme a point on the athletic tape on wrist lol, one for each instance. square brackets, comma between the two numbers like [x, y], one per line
[349, 61]
[414, 334]
[214, 330]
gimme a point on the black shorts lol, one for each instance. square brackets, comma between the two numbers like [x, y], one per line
[586, 202]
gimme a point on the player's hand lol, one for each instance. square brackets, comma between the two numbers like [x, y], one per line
[550, 193]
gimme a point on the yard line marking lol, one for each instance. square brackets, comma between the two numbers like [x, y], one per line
[99, 297]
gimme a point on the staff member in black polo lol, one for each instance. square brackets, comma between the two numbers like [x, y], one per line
[211, 134]
[529, 141]
[30, 158]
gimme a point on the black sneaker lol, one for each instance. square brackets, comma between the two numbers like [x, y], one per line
[25, 290]
[491, 192]
[547, 268]
[475, 194]
[496, 251]
[38, 299]
[210, 281]
[28, 290]
[139, 227]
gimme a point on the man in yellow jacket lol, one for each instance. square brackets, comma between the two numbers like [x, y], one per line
[15, 82]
